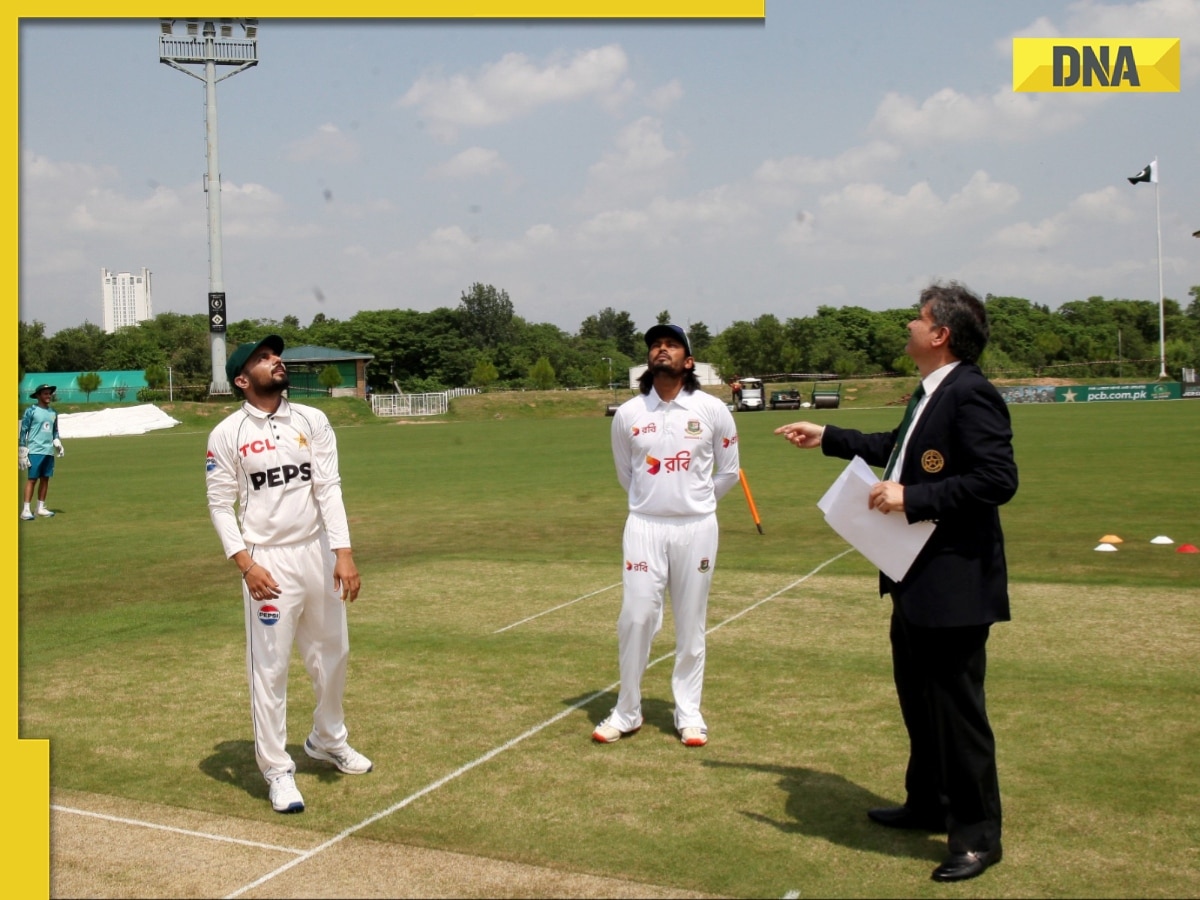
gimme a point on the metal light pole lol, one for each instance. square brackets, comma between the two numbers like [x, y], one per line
[608, 359]
[211, 43]
[170, 385]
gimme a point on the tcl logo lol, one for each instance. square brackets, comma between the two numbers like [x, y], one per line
[255, 447]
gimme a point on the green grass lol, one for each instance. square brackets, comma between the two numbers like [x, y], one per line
[132, 657]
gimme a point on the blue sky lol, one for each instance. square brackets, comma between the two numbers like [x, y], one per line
[835, 154]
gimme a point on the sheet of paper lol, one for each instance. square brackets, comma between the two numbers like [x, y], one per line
[888, 541]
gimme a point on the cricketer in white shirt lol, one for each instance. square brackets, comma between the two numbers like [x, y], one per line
[279, 464]
[675, 459]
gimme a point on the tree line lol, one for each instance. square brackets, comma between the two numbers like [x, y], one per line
[483, 343]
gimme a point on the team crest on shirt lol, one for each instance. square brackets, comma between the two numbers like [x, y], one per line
[704, 565]
[268, 614]
[693, 427]
[302, 440]
[932, 461]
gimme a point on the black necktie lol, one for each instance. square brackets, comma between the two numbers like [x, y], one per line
[904, 425]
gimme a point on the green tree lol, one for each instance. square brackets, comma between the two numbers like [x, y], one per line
[33, 349]
[487, 316]
[484, 374]
[541, 374]
[608, 324]
[78, 349]
[184, 343]
[88, 382]
[664, 317]
[132, 347]
[330, 378]
[699, 337]
[156, 377]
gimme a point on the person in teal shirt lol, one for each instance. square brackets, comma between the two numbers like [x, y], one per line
[37, 446]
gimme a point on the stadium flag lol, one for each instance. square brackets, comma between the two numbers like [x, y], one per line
[1150, 174]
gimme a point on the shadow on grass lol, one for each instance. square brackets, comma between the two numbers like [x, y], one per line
[233, 763]
[823, 805]
[656, 713]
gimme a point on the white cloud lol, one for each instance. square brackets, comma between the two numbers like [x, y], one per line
[445, 244]
[470, 163]
[639, 163]
[948, 115]
[870, 215]
[663, 98]
[328, 144]
[1149, 18]
[854, 164]
[615, 223]
[542, 235]
[1093, 212]
[512, 87]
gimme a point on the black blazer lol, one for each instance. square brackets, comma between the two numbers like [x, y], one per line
[958, 470]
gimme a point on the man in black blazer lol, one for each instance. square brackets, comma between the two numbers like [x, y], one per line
[950, 462]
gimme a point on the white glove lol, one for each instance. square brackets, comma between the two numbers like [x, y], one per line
[59, 447]
[22, 458]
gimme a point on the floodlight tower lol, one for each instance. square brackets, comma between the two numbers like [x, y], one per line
[211, 43]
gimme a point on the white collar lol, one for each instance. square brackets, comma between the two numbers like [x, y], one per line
[281, 412]
[683, 399]
[934, 379]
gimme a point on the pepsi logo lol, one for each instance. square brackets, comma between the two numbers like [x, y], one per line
[268, 615]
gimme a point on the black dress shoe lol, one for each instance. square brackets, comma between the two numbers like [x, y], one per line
[961, 866]
[903, 817]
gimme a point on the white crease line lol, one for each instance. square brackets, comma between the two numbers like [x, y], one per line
[783, 590]
[184, 831]
[496, 751]
[560, 606]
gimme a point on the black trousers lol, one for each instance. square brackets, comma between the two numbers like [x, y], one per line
[939, 675]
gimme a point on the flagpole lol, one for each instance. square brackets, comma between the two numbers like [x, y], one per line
[1162, 333]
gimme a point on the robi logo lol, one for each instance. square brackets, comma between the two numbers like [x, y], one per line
[652, 465]
[268, 615]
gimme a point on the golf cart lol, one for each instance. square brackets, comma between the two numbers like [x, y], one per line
[751, 395]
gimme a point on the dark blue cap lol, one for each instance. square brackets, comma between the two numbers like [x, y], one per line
[671, 331]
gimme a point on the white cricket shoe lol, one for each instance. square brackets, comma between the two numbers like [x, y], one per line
[44, 512]
[27, 516]
[347, 759]
[285, 796]
[608, 733]
[693, 736]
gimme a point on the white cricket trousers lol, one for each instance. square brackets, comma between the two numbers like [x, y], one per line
[673, 555]
[310, 613]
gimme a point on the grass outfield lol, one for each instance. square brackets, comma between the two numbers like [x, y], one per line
[132, 648]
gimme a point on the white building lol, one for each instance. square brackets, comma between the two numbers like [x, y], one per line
[126, 298]
[706, 374]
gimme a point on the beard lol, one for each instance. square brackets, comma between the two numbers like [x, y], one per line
[276, 385]
[666, 367]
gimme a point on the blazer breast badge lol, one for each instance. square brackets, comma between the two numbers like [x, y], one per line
[932, 461]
